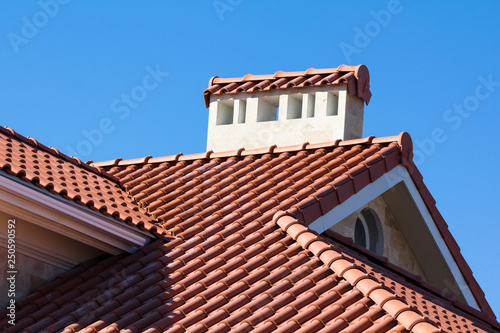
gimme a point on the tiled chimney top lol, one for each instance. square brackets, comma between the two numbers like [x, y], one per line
[287, 108]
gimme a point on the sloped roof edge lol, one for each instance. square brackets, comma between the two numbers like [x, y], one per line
[415, 279]
[355, 275]
[68, 177]
[343, 266]
[310, 210]
[54, 151]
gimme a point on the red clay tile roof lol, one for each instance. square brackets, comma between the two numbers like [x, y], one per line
[356, 77]
[263, 275]
[395, 295]
[73, 180]
[186, 193]
[233, 264]
[403, 284]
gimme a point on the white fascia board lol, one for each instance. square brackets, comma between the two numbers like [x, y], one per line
[377, 188]
[68, 218]
[358, 200]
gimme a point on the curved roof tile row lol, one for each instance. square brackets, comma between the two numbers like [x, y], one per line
[357, 79]
[68, 177]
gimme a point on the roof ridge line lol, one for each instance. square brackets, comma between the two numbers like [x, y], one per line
[355, 275]
[54, 151]
[279, 74]
[245, 152]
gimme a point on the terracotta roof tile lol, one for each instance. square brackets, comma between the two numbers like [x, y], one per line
[68, 177]
[231, 266]
[356, 77]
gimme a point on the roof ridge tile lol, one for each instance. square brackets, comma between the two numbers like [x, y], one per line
[323, 144]
[230, 153]
[106, 163]
[402, 138]
[291, 148]
[354, 274]
[258, 151]
[142, 160]
[198, 156]
[357, 78]
[351, 142]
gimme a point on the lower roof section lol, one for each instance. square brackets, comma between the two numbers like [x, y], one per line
[263, 274]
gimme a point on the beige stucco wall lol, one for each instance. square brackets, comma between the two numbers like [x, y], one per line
[40, 255]
[396, 248]
[31, 274]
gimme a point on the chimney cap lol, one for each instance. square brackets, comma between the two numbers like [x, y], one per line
[356, 77]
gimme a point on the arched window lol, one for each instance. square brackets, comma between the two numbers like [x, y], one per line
[368, 231]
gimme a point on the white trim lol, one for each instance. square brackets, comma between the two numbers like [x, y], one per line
[358, 200]
[68, 218]
[377, 188]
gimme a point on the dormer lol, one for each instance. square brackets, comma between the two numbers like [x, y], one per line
[287, 108]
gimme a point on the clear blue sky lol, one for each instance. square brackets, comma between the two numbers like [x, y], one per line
[434, 68]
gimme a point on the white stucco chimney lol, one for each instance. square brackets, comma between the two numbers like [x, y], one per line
[287, 108]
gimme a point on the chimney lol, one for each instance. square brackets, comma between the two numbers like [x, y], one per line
[286, 108]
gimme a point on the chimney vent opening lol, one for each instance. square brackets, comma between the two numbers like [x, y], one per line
[332, 104]
[241, 106]
[268, 109]
[294, 110]
[308, 105]
[225, 112]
